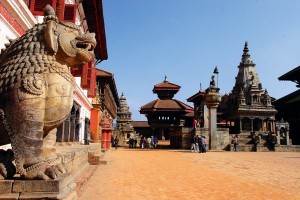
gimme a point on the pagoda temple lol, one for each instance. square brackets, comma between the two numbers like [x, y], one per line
[166, 114]
[248, 107]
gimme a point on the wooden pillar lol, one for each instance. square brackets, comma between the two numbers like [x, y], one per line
[72, 128]
[66, 130]
[60, 133]
[251, 125]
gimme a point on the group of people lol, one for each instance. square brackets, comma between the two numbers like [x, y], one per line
[148, 143]
[132, 142]
[198, 144]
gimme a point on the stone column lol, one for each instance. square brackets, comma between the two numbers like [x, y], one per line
[278, 134]
[241, 125]
[251, 125]
[287, 136]
[212, 100]
[205, 116]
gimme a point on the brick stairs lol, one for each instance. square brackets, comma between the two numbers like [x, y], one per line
[96, 158]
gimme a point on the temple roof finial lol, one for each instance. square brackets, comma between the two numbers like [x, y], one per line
[166, 78]
[246, 50]
[122, 96]
[246, 57]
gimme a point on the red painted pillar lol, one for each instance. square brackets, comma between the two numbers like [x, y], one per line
[106, 134]
[106, 138]
[94, 126]
[103, 139]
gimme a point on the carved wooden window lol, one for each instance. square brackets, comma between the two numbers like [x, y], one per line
[86, 75]
[70, 13]
[37, 6]
[92, 91]
[77, 71]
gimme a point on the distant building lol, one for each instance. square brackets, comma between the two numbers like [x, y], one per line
[142, 128]
[104, 109]
[289, 108]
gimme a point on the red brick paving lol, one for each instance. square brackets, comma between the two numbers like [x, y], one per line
[170, 174]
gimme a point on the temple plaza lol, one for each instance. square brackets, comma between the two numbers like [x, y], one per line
[180, 174]
[67, 133]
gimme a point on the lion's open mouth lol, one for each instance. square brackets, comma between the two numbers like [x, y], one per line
[85, 46]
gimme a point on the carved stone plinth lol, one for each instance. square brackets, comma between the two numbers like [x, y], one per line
[74, 158]
[212, 99]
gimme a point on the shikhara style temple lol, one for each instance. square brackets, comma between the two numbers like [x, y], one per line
[248, 107]
[165, 113]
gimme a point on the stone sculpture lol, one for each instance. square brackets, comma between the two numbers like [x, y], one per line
[36, 92]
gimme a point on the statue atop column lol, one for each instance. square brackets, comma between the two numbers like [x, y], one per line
[212, 82]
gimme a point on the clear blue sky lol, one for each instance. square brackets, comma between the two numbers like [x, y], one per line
[186, 39]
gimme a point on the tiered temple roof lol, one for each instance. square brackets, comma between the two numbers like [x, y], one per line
[165, 102]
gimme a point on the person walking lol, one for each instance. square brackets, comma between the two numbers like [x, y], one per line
[142, 142]
[193, 144]
[116, 142]
[203, 144]
[152, 142]
[155, 141]
[148, 141]
[196, 143]
[200, 143]
[235, 143]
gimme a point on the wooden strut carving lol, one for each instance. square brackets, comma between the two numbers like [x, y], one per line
[36, 92]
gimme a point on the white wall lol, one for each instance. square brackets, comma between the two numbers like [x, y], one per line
[6, 32]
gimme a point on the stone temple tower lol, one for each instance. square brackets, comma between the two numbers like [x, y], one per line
[123, 112]
[248, 107]
[124, 126]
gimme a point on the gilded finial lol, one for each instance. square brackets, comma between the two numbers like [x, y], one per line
[166, 79]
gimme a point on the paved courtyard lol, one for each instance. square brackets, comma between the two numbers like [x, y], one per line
[179, 174]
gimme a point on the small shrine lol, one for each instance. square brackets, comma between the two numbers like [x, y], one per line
[125, 129]
[166, 115]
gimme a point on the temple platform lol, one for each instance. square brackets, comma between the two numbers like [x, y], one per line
[76, 160]
[263, 148]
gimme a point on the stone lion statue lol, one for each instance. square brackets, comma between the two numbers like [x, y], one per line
[36, 91]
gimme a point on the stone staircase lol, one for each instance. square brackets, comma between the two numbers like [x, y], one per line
[246, 144]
